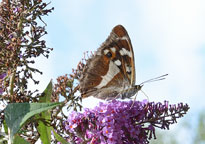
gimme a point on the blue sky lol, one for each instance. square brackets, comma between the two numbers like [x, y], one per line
[167, 37]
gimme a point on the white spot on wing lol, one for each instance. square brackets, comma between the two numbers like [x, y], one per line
[123, 38]
[113, 49]
[106, 51]
[118, 62]
[112, 71]
[123, 52]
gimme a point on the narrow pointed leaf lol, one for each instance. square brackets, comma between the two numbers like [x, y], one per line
[5, 127]
[16, 114]
[59, 138]
[19, 140]
[45, 130]
[46, 95]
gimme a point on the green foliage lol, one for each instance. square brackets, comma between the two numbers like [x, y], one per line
[16, 114]
[59, 138]
[45, 117]
[19, 140]
[5, 127]
[46, 95]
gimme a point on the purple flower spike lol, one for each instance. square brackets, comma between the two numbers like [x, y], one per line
[121, 122]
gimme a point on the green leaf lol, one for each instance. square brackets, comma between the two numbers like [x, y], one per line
[16, 114]
[5, 127]
[59, 138]
[46, 96]
[19, 140]
[45, 130]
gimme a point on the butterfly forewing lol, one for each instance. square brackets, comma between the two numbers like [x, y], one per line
[126, 52]
[111, 69]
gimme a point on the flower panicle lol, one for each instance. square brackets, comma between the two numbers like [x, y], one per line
[22, 32]
[122, 122]
[21, 40]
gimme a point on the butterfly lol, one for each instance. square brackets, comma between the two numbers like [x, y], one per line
[110, 72]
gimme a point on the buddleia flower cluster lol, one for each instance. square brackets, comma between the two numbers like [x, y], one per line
[21, 41]
[122, 122]
[21, 31]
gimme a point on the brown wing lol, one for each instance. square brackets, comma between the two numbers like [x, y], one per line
[111, 69]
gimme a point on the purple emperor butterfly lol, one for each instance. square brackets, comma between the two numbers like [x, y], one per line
[110, 73]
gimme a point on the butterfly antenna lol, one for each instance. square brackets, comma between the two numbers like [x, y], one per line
[162, 77]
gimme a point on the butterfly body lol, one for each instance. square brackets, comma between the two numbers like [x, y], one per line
[110, 73]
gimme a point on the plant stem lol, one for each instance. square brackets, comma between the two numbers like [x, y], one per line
[11, 85]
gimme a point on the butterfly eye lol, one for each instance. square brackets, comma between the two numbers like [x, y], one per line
[109, 54]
